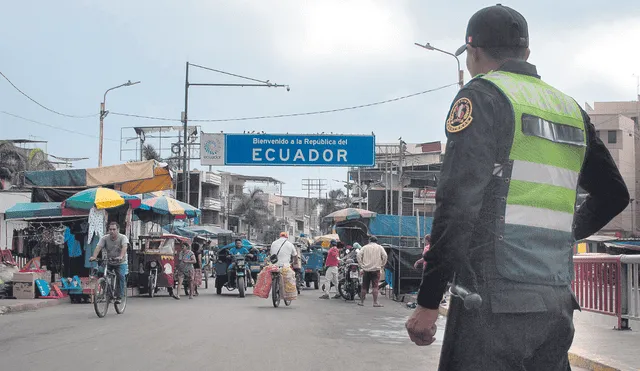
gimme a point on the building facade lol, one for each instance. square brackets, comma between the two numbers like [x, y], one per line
[616, 125]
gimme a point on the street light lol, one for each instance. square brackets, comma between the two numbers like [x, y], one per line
[104, 113]
[460, 71]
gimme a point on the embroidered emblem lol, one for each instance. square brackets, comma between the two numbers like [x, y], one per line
[460, 115]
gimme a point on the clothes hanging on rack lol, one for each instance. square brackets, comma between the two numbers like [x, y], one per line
[72, 244]
[89, 248]
[18, 242]
[127, 222]
[97, 220]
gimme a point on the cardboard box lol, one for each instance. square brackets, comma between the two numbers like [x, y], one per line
[24, 290]
[25, 277]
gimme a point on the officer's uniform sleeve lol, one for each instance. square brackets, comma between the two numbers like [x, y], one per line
[467, 170]
[607, 196]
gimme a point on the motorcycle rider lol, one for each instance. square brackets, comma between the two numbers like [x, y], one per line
[238, 249]
[351, 253]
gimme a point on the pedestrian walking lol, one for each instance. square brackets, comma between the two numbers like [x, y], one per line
[331, 271]
[372, 258]
[197, 268]
[421, 263]
[186, 260]
[506, 220]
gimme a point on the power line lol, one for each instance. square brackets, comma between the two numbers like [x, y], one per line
[43, 106]
[54, 127]
[288, 114]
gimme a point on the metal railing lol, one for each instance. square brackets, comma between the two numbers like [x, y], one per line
[630, 279]
[608, 284]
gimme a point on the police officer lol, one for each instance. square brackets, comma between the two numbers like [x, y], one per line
[517, 151]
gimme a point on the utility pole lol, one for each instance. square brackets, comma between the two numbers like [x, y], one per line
[310, 185]
[401, 188]
[185, 115]
[360, 191]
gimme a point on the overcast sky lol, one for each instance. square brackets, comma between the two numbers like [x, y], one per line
[333, 54]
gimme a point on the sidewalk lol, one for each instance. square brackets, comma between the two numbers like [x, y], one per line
[596, 345]
[21, 305]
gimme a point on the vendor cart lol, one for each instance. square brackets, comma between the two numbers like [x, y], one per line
[155, 262]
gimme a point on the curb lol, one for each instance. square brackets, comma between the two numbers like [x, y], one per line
[580, 361]
[24, 307]
[575, 359]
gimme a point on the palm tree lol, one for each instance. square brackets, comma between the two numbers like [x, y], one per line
[14, 160]
[336, 200]
[252, 209]
[149, 153]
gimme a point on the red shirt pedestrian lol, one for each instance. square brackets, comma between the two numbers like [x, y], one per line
[332, 257]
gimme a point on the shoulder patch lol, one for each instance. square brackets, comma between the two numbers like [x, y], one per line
[460, 115]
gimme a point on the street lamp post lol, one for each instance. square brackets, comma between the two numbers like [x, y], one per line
[460, 71]
[185, 115]
[104, 113]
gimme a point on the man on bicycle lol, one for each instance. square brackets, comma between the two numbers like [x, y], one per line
[284, 249]
[115, 244]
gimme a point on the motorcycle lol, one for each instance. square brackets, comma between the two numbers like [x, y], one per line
[234, 276]
[152, 281]
[349, 283]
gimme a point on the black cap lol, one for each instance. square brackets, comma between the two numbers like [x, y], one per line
[496, 26]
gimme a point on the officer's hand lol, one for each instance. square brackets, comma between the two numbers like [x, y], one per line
[421, 326]
[92, 259]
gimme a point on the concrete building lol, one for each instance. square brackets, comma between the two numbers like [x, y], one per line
[300, 215]
[616, 124]
[418, 165]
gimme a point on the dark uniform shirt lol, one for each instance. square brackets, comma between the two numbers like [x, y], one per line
[463, 233]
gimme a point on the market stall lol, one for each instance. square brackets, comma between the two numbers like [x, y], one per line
[158, 210]
[56, 239]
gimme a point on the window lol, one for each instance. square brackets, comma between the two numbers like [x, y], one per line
[598, 133]
[612, 138]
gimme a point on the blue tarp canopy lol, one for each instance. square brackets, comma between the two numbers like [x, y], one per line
[34, 210]
[245, 243]
[388, 225]
[197, 230]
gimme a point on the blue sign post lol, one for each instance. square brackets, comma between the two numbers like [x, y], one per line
[299, 150]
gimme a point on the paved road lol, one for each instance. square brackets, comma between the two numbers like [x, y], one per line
[222, 331]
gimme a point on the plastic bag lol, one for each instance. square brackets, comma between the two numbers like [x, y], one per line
[7, 271]
[262, 288]
[289, 280]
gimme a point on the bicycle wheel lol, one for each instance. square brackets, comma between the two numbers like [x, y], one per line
[275, 292]
[101, 298]
[123, 303]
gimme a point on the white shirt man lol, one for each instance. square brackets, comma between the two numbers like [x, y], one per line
[284, 249]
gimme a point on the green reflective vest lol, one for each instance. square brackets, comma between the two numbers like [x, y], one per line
[536, 217]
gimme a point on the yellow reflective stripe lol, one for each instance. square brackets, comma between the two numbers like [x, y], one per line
[539, 218]
[545, 174]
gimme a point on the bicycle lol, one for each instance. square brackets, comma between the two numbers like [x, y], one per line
[106, 288]
[276, 285]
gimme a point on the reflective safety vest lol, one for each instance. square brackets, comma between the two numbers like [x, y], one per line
[536, 217]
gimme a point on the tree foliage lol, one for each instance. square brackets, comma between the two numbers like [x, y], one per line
[149, 153]
[14, 160]
[252, 209]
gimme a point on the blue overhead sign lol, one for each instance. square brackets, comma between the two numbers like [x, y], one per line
[294, 150]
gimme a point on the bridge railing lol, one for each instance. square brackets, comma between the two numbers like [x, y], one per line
[608, 284]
